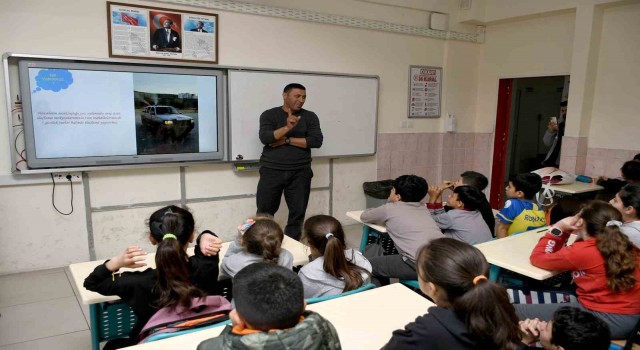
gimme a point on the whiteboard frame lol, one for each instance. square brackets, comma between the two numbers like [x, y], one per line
[278, 71]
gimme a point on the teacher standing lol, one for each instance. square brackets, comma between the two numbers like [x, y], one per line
[288, 134]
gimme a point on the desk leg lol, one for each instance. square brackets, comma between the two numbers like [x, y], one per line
[94, 321]
[494, 272]
[365, 237]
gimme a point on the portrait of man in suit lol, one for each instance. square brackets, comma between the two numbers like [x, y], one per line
[165, 38]
[199, 27]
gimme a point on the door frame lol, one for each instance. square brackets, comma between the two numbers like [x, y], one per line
[500, 142]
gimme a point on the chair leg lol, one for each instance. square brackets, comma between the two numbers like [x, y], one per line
[494, 272]
[95, 332]
[365, 237]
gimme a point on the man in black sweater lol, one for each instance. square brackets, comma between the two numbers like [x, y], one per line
[288, 134]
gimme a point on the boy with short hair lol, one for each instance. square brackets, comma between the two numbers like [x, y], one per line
[409, 225]
[570, 329]
[270, 314]
[520, 213]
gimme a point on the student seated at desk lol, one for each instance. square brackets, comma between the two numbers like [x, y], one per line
[409, 225]
[463, 222]
[259, 240]
[570, 329]
[334, 269]
[627, 201]
[270, 314]
[520, 213]
[479, 182]
[176, 279]
[604, 265]
[471, 313]
[630, 172]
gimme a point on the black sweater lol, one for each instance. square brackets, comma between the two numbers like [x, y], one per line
[137, 288]
[440, 329]
[288, 157]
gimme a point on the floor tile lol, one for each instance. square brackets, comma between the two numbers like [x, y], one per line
[70, 341]
[29, 287]
[42, 319]
[83, 307]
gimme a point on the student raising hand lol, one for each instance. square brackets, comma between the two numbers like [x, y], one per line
[131, 257]
[210, 245]
[435, 193]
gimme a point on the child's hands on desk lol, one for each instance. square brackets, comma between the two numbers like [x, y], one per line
[132, 257]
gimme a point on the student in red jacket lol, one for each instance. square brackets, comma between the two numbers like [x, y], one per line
[604, 264]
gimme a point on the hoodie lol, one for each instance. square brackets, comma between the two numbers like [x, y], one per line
[440, 329]
[632, 230]
[312, 333]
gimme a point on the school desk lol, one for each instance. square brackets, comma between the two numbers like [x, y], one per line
[367, 228]
[575, 188]
[513, 252]
[80, 271]
[364, 320]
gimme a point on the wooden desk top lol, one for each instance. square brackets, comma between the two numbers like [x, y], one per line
[364, 320]
[80, 271]
[513, 252]
[576, 187]
[355, 215]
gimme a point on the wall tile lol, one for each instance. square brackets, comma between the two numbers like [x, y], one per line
[582, 146]
[568, 163]
[458, 156]
[383, 174]
[459, 140]
[436, 141]
[411, 142]
[569, 146]
[384, 159]
[595, 166]
[397, 159]
[581, 163]
[447, 140]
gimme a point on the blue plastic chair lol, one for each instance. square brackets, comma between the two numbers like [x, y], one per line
[110, 321]
[161, 336]
[329, 297]
[411, 283]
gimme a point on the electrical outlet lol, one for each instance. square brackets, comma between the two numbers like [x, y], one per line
[63, 177]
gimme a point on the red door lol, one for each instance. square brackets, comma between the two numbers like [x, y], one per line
[500, 143]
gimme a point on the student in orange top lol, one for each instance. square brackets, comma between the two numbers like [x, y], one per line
[604, 264]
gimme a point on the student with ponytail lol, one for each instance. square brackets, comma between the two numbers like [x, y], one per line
[604, 264]
[176, 279]
[259, 240]
[471, 312]
[627, 201]
[334, 269]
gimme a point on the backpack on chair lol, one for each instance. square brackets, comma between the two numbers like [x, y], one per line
[203, 312]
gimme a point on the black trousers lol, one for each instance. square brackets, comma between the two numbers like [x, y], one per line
[296, 186]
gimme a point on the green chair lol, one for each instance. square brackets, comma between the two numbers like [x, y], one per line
[110, 321]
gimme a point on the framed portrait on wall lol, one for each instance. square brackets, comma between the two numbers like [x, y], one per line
[145, 32]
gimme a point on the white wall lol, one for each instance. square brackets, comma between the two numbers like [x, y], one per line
[616, 106]
[45, 239]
